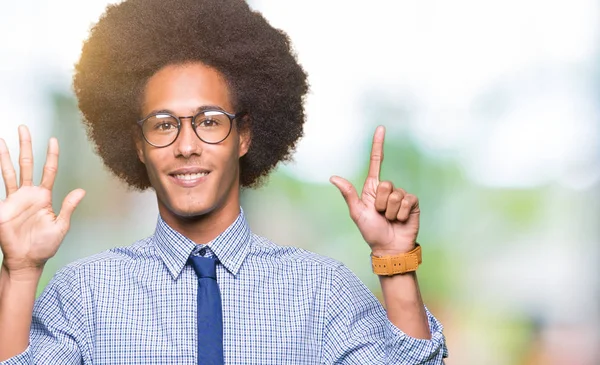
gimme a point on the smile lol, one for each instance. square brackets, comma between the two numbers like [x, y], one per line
[190, 177]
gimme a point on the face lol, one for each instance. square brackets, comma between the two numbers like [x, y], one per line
[192, 179]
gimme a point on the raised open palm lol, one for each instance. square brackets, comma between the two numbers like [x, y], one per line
[30, 231]
[387, 217]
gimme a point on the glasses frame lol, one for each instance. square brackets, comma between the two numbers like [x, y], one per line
[192, 118]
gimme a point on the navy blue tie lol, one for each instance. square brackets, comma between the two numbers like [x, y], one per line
[210, 316]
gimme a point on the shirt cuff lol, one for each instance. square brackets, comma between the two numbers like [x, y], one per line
[23, 358]
[411, 350]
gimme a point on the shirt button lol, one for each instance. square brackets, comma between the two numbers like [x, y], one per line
[202, 251]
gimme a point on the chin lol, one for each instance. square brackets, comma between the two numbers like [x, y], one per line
[191, 204]
[183, 207]
[191, 212]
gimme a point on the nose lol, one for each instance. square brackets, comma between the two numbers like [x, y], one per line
[187, 143]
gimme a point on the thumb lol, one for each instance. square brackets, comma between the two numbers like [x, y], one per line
[348, 192]
[68, 207]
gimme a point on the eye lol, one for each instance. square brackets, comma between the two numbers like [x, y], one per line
[162, 123]
[165, 126]
[208, 123]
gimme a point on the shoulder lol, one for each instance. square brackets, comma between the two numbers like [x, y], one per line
[341, 284]
[124, 255]
[266, 249]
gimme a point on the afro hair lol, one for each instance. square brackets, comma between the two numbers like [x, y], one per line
[136, 38]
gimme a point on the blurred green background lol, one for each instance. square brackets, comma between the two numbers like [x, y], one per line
[492, 112]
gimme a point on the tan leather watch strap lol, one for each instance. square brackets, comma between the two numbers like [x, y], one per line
[399, 264]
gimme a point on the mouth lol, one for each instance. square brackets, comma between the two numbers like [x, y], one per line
[189, 177]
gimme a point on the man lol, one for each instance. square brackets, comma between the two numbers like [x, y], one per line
[196, 99]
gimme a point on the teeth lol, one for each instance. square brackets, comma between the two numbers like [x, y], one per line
[191, 176]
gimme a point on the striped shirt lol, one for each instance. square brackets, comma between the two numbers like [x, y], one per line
[281, 305]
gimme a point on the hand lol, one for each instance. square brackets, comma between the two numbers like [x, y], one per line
[387, 217]
[30, 232]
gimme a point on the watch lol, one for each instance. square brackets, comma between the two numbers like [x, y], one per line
[398, 264]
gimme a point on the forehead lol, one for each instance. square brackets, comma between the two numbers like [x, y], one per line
[185, 88]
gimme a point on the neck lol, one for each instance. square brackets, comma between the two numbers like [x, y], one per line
[205, 227]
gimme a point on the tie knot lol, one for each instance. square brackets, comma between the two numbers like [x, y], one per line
[205, 267]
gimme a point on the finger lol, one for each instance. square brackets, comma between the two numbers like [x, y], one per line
[376, 153]
[51, 165]
[68, 207]
[384, 189]
[8, 171]
[393, 204]
[410, 204]
[25, 156]
[349, 193]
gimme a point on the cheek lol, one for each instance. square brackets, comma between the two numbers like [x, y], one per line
[152, 160]
[229, 164]
[234, 159]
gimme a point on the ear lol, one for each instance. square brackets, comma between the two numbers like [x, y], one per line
[139, 145]
[245, 137]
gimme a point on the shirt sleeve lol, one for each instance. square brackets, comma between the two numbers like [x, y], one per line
[357, 330]
[57, 325]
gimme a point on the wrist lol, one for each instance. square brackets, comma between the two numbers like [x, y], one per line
[380, 252]
[21, 275]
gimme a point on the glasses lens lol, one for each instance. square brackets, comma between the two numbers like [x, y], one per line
[212, 126]
[160, 130]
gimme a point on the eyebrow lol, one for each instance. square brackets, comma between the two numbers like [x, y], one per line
[196, 111]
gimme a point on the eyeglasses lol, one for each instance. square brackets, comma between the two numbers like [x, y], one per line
[211, 126]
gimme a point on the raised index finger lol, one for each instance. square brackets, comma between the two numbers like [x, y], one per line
[376, 153]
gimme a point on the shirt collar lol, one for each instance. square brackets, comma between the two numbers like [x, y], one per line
[230, 247]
